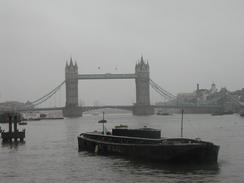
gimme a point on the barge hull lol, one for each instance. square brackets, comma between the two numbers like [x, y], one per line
[174, 153]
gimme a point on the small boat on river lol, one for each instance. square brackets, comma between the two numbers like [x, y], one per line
[147, 144]
[220, 113]
[163, 113]
[22, 123]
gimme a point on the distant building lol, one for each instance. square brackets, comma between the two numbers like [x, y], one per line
[14, 105]
[197, 97]
[186, 98]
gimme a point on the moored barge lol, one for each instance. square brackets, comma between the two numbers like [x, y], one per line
[147, 144]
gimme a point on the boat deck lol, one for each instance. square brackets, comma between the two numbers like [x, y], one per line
[124, 140]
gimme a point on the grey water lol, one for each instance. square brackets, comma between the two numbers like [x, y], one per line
[50, 152]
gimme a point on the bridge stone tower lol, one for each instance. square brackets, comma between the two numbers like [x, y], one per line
[71, 80]
[142, 105]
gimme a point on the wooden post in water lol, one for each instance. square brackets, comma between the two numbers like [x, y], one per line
[13, 133]
[10, 125]
[15, 127]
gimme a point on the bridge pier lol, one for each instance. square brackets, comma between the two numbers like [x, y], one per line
[142, 110]
[72, 111]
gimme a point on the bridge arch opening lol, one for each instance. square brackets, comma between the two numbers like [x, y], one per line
[106, 92]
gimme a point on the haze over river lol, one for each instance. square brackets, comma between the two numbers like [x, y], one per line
[50, 153]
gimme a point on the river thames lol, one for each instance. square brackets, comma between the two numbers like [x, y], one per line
[50, 153]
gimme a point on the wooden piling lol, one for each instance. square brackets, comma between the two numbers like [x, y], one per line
[7, 137]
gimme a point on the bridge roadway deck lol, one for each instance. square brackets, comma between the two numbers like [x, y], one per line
[106, 76]
[125, 107]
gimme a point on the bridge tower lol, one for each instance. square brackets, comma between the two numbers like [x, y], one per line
[142, 105]
[71, 80]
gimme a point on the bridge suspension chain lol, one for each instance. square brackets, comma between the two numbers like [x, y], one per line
[161, 91]
[46, 97]
[221, 96]
[215, 99]
[233, 99]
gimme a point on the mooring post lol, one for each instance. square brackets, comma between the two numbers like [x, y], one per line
[13, 132]
[15, 128]
[10, 127]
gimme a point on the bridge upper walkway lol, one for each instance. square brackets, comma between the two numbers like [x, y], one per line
[106, 76]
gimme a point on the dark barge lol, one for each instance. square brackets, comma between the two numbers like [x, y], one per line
[147, 144]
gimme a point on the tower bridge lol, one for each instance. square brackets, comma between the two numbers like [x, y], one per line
[142, 106]
[142, 81]
[141, 76]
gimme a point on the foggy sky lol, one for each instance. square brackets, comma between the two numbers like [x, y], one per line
[186, 42]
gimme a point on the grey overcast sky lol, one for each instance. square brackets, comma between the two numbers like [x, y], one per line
[185, 41]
